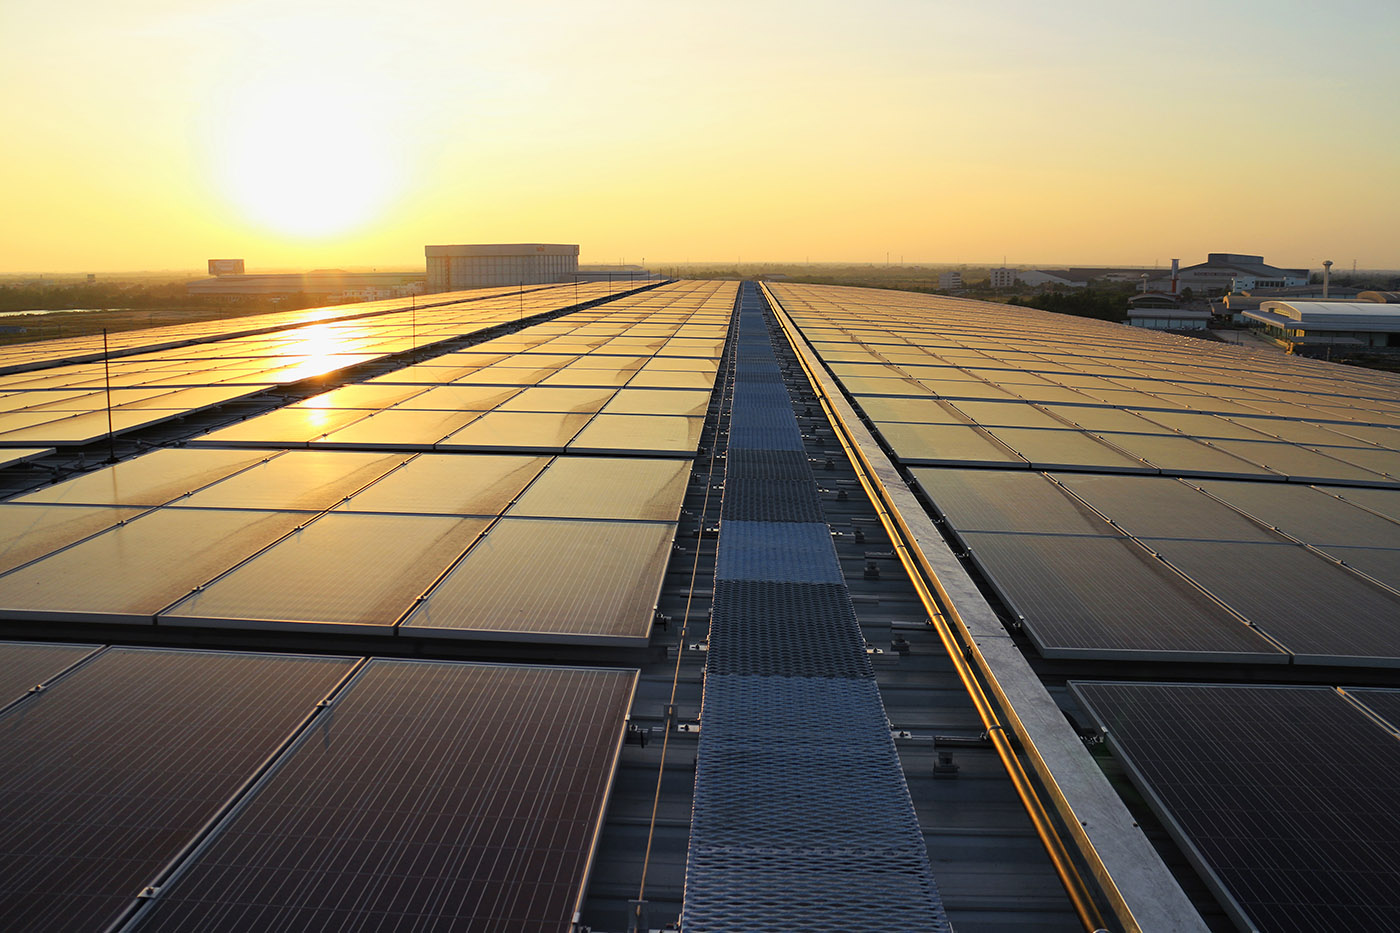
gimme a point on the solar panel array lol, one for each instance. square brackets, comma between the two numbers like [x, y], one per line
[65, 396]
[802, 819]
[1133, 495]
[107, 775]
[174, 789]
[380, 529]
[1286, 797]
[228, 790]
[431, 795]
[39, 354]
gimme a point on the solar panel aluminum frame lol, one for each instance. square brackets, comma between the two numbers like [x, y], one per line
[1213, 881]
[250, 791]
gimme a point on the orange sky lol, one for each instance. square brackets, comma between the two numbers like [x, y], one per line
[160, 133]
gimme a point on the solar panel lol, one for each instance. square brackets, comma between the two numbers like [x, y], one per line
[342, 570]
[28, 532]
[555, 581]
[1318, 610]
[1309, 515]
[1382, 501]
[607, 487]
[647, 378]
[640, 434]
[1380, 564]
[1105, 597]
[407, 429]
[461, 398]
[24, 665]
[914, 410]
[12, 456]
[432, 795]
[449, 484]
[946, 443]
[1054, 450]
[129, 573]
[1006, 500]
[107, 775]
[1158, 507]
[361, 396]
[152, 479]
[1382, 702]
[1298, 463]
[298, 480]
[528, 432]
[1286, 796]
[658, 402]
[1183, 456]
[548, 398]
[285, 427]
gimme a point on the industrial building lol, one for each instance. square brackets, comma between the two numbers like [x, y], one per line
[701, 605]
[1327, 327]
[453, 268]
[1222, 273]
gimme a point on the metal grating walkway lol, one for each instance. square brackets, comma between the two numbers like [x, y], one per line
[802, 819]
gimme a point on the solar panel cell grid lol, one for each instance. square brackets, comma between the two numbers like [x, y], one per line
[107, 775]
[129, 573]
[435, 795]
[1287, 795]
[553, 580]
[342, 569]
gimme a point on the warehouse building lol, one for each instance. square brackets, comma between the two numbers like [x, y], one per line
[1328, 327]
[453, 268]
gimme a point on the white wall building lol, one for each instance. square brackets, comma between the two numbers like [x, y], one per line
[1003, 277]
[950, 280]
[485, 265]
[1317, 327]
[1222, 273]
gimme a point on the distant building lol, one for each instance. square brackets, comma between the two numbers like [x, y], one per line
[1061, 277]
[329, 285]
[484, 265]
[612, 274]
[1226, 272]
[950, 280]
[1083, 277]
[1316, 328]
[1163, 311]
[1003, 277]
[225, 267]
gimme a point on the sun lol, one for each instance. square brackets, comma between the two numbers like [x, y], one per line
[304, 158]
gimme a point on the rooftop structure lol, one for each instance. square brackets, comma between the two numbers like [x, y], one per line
[452, 268]
[748, 607]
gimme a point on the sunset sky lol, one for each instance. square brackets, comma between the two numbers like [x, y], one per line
[155, 134]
